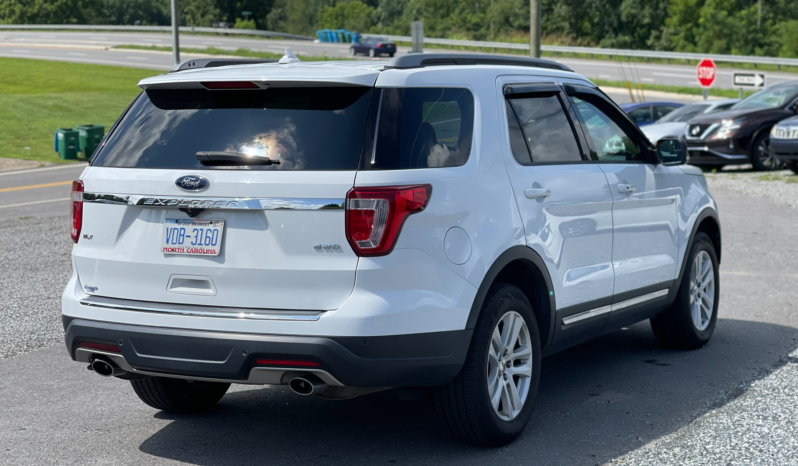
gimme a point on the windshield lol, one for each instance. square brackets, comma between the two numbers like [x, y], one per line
[771, 97]
[302, 128]
[684, 114]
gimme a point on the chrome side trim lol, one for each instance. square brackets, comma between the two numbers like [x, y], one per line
[200, 311]
[228, 203]
[640, 299]
[586, 315]
[614, 307]
[257, 375]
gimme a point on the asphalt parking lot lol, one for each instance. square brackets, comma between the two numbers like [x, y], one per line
[619, 399]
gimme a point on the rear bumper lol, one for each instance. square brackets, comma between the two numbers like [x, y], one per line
[425, 359]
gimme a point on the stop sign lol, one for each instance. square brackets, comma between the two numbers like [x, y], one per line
[706, 72]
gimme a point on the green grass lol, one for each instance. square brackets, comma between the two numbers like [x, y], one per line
[242, 52]
[728, 93]
[37, 96]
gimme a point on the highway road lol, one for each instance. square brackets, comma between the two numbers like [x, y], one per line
[40, 192]
[92, 47]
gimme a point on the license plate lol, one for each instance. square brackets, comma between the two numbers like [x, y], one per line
[192, 237]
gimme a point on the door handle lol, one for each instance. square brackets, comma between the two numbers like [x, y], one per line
[625, 188]
[534, 193]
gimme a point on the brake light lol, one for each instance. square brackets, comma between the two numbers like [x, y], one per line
[77, 209]
[221, 85]
[374, 216]
[380, 45]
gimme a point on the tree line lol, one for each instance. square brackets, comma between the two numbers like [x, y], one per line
[746, 27]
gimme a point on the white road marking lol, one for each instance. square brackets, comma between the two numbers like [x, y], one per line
[673, 75]
[98, 38]
[30, 170]
[137, 58]
[76, 54]
[212, 43]
[151, 40]
[604, 76]
[647, 79]
[34, 202]
[19, 51]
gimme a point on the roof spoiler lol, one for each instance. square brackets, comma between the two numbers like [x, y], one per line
[422, 60]
[216, 62]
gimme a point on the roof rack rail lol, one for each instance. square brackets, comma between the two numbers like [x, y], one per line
[421, 60]
[214, 62]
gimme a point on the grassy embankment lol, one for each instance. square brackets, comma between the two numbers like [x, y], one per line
[38, 96]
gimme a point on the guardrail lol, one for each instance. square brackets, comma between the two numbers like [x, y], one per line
[601, 51]
[433, 41]
[226, 31]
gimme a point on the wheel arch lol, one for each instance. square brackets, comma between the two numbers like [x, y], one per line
[522, 267]
[707, 222]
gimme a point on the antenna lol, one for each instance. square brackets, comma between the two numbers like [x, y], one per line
[289, 57]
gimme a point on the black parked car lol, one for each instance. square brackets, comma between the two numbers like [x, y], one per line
[742, 133]
[374, 47]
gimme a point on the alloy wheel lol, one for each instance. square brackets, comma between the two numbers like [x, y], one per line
[702, 290]
[763, 154]
[509, 366]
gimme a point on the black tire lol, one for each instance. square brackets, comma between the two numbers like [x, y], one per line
[792, 165]
[177, 395]
[464, 404]
[761, 157]
[675, 327]
[391, 55]
[372, 53]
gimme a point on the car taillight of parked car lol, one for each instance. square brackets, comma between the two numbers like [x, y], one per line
[77, 209]
[374, 216]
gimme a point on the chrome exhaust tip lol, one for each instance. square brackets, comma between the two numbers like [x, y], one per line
[307, 385]
[106, 368]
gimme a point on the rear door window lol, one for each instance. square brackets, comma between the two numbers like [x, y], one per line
[310, 128]
[422, 128]
[540, 131]
[662, 110]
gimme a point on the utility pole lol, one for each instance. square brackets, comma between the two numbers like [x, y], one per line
[534, 28]
[175, 33]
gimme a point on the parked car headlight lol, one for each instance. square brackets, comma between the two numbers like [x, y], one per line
[727, 129]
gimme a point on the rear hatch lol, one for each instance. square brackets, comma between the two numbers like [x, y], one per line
[160, 225]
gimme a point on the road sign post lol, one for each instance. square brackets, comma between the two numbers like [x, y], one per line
[749, 80]
[706, 72]
[175, 35]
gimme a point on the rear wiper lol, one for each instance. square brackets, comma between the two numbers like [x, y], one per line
[232, 158]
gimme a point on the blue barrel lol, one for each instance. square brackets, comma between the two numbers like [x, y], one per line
[355, 37]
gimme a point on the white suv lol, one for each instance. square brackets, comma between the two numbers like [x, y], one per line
[432, 221]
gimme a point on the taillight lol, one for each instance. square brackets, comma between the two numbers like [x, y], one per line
[77, 209]
[374, 216]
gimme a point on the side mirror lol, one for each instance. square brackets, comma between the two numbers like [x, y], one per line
[672, 151]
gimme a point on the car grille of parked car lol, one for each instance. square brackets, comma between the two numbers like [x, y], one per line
[696, 131]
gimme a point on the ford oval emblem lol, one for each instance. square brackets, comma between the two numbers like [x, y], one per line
[193, 183]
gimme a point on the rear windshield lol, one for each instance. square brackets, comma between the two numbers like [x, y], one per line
[307, 128]
[422, 128]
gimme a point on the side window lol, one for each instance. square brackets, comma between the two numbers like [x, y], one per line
[640, 115]
[541, 129]
[423, 128]
[722, 108]
[611, 143]
[662, 110]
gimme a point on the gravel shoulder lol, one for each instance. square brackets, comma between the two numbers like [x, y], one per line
[780, 187]
[36, 266]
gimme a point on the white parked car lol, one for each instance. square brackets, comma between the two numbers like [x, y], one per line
[438, 220]
[673, 124]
